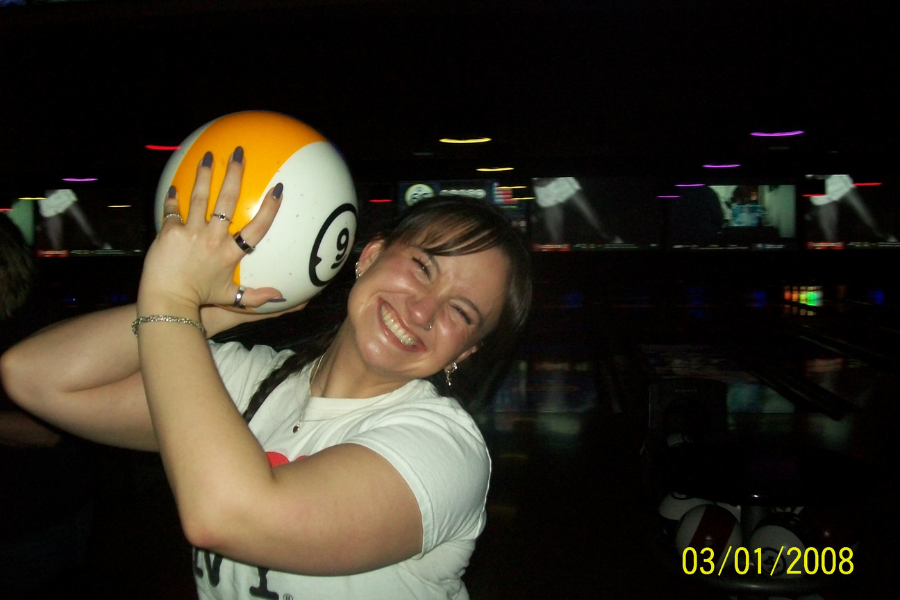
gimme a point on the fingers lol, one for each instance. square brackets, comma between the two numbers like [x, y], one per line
[170, 208]
[255, 297]
[231, 188]
[259, 225]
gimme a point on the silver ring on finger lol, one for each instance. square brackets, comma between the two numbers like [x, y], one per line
[242, 244]
[238, 297]
[220, 216]
[173, 214]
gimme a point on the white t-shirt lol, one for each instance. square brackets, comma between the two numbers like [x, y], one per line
[431, 441]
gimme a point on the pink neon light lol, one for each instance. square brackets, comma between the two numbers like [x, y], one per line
[5, 210]
[776, 134]
[689, 185]
[75, 179]
[731, 166]
[163, 148]
[867, 184]
[380, 200]
[813, 195]
[668, 196]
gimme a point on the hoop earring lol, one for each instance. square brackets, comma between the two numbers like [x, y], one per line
[448, 371]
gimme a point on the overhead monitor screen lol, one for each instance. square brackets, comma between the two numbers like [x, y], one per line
[488, 190]
[844, 212]
[595, 213]
[733, 217]
[93, 221]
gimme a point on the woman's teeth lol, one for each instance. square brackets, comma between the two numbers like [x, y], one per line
[405, 338]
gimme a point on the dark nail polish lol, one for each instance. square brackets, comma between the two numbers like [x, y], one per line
[279, 188]
[274, 300]
[171, 193]
[207, 159]
[238, 155]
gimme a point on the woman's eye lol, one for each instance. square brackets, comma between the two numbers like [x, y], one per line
[463, 314]
[422, 265]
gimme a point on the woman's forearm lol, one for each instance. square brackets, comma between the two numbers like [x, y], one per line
[82, 375]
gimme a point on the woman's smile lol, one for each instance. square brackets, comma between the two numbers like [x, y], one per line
[400, 333]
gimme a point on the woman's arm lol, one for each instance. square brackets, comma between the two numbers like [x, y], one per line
[344, 510]
[82, 375]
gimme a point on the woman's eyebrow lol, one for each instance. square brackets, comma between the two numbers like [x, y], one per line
[432, 259]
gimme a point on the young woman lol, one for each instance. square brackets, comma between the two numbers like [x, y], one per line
[358, 477]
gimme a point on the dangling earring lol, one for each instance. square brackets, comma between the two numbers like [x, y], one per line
[450, 370]
[357, 269]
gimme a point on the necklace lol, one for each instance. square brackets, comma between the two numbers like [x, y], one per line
[312, 378]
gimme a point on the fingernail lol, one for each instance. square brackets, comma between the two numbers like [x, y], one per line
[171, 193]
[274, 300]
[207, 159]
[238, 155]
[277, 192]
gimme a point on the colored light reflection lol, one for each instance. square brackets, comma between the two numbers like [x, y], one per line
[727, 166]
[480, 140]
[79, 179]
[776, 133]
[494, 169]
[162, 148]
[689, 184]
[867, 184]
[380, 200]
[672, 196]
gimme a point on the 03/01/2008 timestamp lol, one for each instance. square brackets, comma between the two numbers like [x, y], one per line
[768, 561]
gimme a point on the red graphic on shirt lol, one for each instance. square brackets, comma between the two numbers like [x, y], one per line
[277, 458]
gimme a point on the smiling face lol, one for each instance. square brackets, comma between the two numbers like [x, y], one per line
[414, 313]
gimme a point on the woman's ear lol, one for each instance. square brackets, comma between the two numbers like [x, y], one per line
[468, 353]
[368, 255]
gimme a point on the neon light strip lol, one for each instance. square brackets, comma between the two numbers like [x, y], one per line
[480, 140]
[731, 166]
[776, 134]
[689, 185]
[380, 200]
[867, 184]
[75, 179]
[491, 170]
[668, 196]
[163, 148]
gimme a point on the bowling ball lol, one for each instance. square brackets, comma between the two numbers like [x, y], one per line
[709, 526]
[314, 231]
[779, 537]
[673, 506]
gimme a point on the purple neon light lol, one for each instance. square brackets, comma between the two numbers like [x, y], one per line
[776, 134]
[689, 184]
[731, 166]
[668, 196]
[77, 180]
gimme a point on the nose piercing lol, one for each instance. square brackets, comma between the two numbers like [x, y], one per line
[429, 327]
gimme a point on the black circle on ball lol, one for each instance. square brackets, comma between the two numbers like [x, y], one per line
[343, 239]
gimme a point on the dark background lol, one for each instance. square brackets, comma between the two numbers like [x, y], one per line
[573, 88]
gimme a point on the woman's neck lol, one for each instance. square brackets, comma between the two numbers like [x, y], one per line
[341, 372]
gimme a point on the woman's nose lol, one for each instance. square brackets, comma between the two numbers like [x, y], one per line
[423, 309]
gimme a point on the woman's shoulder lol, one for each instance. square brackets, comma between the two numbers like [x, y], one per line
[419, 402]
[235, 361]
